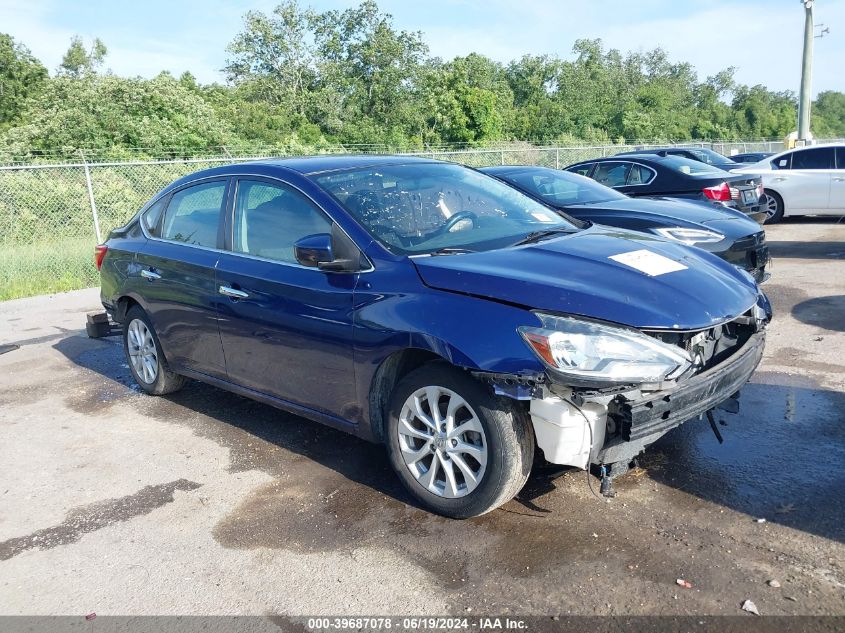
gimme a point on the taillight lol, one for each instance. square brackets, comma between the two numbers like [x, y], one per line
[721, 193]
[760, 189]
[100, 251]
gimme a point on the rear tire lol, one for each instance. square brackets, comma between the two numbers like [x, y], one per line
[144, 356]
[773, 207]
[465, 456]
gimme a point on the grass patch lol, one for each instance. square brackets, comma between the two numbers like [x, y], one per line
[46, 267]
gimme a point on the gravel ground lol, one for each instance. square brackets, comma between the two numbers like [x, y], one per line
[207, 503]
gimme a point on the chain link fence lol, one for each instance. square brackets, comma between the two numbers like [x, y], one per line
[52, 215]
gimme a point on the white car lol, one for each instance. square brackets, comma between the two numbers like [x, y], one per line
[802, 181]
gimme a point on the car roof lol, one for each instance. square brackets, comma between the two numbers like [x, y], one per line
[783, 152]
[334, 162]
[646, 157]
[505, 169]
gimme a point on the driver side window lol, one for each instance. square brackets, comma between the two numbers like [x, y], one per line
[271, 218]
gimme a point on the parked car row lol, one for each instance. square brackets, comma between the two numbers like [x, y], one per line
[678, 177]
[798, 181]
[465, 320]
[725, 232]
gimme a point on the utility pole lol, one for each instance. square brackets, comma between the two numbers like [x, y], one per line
[806, 75]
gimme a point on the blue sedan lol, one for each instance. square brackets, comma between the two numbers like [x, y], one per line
[431, 308]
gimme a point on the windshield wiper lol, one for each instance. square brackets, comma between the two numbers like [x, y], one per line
[536, 236]
[451, 250]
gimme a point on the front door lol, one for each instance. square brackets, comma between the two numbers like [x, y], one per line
[286, 328]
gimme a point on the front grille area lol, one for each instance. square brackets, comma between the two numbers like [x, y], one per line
[749, 241]
[712, 346]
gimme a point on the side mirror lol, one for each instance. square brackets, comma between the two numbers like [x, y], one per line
[316, 251]
[313, 250]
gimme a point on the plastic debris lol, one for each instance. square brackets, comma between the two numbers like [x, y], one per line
[750, 607]
[686, 584]
[91, 616]
[773, 583]
[759, 520]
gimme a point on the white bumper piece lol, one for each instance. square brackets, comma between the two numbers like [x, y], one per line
[567, 435]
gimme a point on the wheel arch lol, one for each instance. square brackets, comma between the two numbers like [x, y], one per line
[122, 306]
[768, 190]
[391, 370]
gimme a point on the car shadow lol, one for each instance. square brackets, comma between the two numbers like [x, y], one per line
[783, 458]
[225, 417]
[824, 312]
[812, 249]
[807, 250]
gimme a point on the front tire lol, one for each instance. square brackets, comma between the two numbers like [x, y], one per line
[773, 206]
[459, 449]
[144, 356]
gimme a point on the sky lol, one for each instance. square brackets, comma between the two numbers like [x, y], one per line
[761, 38]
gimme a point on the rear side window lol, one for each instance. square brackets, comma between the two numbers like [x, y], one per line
[271, 218]
[784, 162]
[840, 158]
[817, 158]
[640, 175]
[583, 170]
[612, 174]
[151, 217]
[193, 215]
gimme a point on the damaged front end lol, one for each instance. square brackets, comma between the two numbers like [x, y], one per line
[609, 392]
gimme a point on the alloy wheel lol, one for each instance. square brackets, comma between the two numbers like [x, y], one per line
[142, 351]
[442, 442]
[771, 207]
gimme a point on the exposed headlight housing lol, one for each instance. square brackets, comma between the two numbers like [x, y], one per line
[590, 353]
[690, 237]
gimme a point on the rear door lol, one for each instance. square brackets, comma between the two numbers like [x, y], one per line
[803, 179]
[837, 184]
[286, 328]
[177, 268]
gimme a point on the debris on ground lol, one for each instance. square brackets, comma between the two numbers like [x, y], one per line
[759, 520]
[686, 584]
[773, 583]
[750, 607]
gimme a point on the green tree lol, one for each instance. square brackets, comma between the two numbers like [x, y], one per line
[828, 114]
[102, 112]
[368, 65]
[273, 57]
[79, 61]
[21, 76]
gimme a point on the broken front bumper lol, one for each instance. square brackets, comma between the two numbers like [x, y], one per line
[645, 420]
[618, 429]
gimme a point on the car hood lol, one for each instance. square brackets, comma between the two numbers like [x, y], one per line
[574, 275]
[661, 211]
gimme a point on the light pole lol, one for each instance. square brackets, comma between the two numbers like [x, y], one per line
[806, 75]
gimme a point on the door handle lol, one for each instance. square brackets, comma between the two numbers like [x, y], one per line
[838, 179]
[226, 291]
[150, 275]
[780, 179]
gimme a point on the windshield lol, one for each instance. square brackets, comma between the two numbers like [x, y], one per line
[561, 188]
[690, 167]
[422, 208]
[708, 156]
